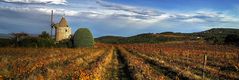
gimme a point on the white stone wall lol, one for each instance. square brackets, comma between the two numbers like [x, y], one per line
[63, 33]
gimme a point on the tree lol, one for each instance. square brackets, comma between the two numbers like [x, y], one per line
[232, 39]
[45, 35]
[16, 37]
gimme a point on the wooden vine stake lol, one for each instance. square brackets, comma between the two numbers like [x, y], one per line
[204, 66]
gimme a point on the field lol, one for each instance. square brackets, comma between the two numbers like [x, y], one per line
[166, 61]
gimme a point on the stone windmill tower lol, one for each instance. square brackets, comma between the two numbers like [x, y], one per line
[62, 29]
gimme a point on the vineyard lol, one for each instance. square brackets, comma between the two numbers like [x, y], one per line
[168, 61]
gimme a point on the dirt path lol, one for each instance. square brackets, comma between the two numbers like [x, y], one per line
[124, 72]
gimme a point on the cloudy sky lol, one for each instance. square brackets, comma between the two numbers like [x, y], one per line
[119, 17]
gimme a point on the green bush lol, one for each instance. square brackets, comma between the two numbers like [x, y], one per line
[36, 42]
[232, 39]
[5, 42]
[28, 42]
[45, 35]
[66, 43]
[42, 42]
[83, 38]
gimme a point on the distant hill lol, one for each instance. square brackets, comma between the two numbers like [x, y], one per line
[145, 38]
[219, 33]
[109, 39]
[2, 35]
[5, 36]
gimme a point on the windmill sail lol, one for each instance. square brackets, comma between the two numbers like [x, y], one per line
[52, 23]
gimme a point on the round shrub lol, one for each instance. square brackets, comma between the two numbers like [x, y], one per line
[83, 38]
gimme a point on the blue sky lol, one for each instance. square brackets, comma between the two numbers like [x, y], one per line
[119, 17]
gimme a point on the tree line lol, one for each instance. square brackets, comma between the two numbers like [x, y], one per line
[25, 40]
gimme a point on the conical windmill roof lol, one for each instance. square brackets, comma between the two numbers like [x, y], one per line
[63, 22]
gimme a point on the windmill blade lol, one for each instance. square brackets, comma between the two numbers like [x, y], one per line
[51, 17]
[52, 23]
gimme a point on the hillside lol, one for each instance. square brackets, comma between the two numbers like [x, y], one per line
[5, 35]
[145, 38]
[215, 33]
[109, 39]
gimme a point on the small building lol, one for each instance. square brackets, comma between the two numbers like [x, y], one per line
[62, 30]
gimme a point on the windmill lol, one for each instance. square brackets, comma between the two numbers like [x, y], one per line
[62, 30]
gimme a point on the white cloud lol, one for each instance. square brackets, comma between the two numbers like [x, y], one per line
[125, 15]
[37, 1]
[151, 16]
[193, 20]
[57, 11]
[136, 15]
[163, 17]
[42, 10]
